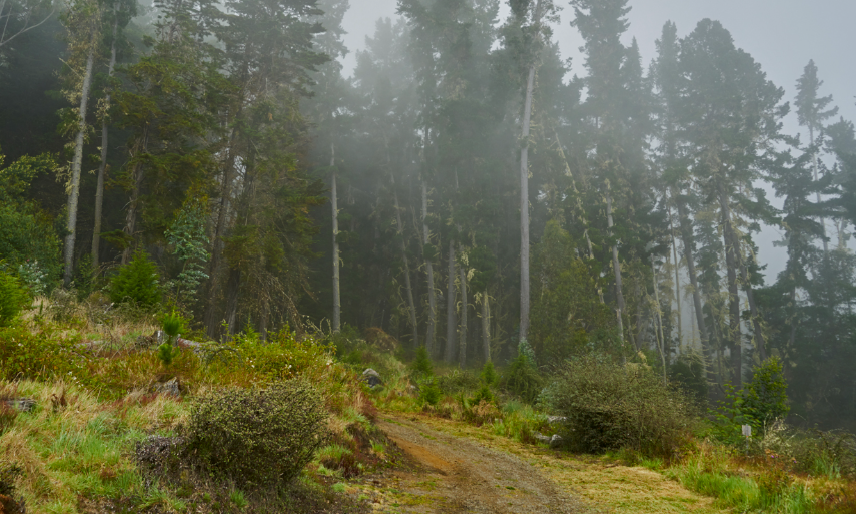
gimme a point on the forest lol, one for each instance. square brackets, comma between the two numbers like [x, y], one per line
[467, 189]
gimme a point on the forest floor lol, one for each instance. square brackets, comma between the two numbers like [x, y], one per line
[452, 467]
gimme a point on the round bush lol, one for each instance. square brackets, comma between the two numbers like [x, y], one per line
[257, 437]
[608, 407]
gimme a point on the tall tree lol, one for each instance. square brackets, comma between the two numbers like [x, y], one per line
[119, 17]
[82, 19]
[811, 114]
[730, 116]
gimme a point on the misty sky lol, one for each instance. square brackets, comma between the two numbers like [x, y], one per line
[782, 35]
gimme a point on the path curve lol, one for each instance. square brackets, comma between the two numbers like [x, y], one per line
[469, 477]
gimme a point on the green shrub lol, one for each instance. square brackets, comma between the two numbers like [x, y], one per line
[430, 393]
[27, 235]
[484, 394]
[39, 355]
[13, 298]
[137, 282]
[522, 379]
[421, 365]
[257, 437]
[173, 324]
[765, 398]
[760, 404]
[489, 376]
[457, 381]
[609, 407]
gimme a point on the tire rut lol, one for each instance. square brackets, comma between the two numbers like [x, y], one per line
[464, 476]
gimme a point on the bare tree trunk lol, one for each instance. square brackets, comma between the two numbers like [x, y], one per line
[137, 173]
[731, 259]
[451, 311]
[677, 282]
[102, 167]
[402, 248]
[486, 325]
[758, 334]
[464, 322]
[661, 340]
[211, 321]
[687, 237]
[617, 270]
[77, 160]
[524, 188]
[429, 269]
[333, 202]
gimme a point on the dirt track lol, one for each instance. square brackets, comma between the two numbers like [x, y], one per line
[450, 474]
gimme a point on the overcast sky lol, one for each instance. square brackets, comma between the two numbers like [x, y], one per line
[782, 35]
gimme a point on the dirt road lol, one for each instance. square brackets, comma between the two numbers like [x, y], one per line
[447, 474]
[449, 467]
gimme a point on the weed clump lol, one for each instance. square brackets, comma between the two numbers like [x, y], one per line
[256, 437]
[609, 407]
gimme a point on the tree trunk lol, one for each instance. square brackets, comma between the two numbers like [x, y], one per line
[233, 286]
[814, 170]
[486, 326]
[402, 248]
[731, 259]
[687, 237]
[451, 311]
[524, 188]
[429, 269]
[617, 270]
[333, 202]
[210, 318]
[464, 322]
[677, 282]
[661, 340]
[77, 160]
[102, 167]
[137, 173]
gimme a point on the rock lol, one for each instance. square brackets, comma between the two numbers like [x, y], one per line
[541, 437]
[372, 378]
[21, 404]
[170, 387]
[412, 390]
[556, 419]
[554, 442]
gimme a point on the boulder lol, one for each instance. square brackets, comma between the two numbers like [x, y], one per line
[372, 378]
[171, 387]
[553, 441]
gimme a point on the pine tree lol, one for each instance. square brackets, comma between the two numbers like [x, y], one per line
[811, 114]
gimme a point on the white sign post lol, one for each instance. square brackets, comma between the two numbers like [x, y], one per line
[747, 433]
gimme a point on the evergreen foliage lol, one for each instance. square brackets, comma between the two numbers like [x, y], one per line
[137, 282]
[13, 298]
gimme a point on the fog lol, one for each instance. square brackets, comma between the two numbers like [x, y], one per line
[782, 35]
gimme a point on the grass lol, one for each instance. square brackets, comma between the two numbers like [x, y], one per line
[95, 401]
